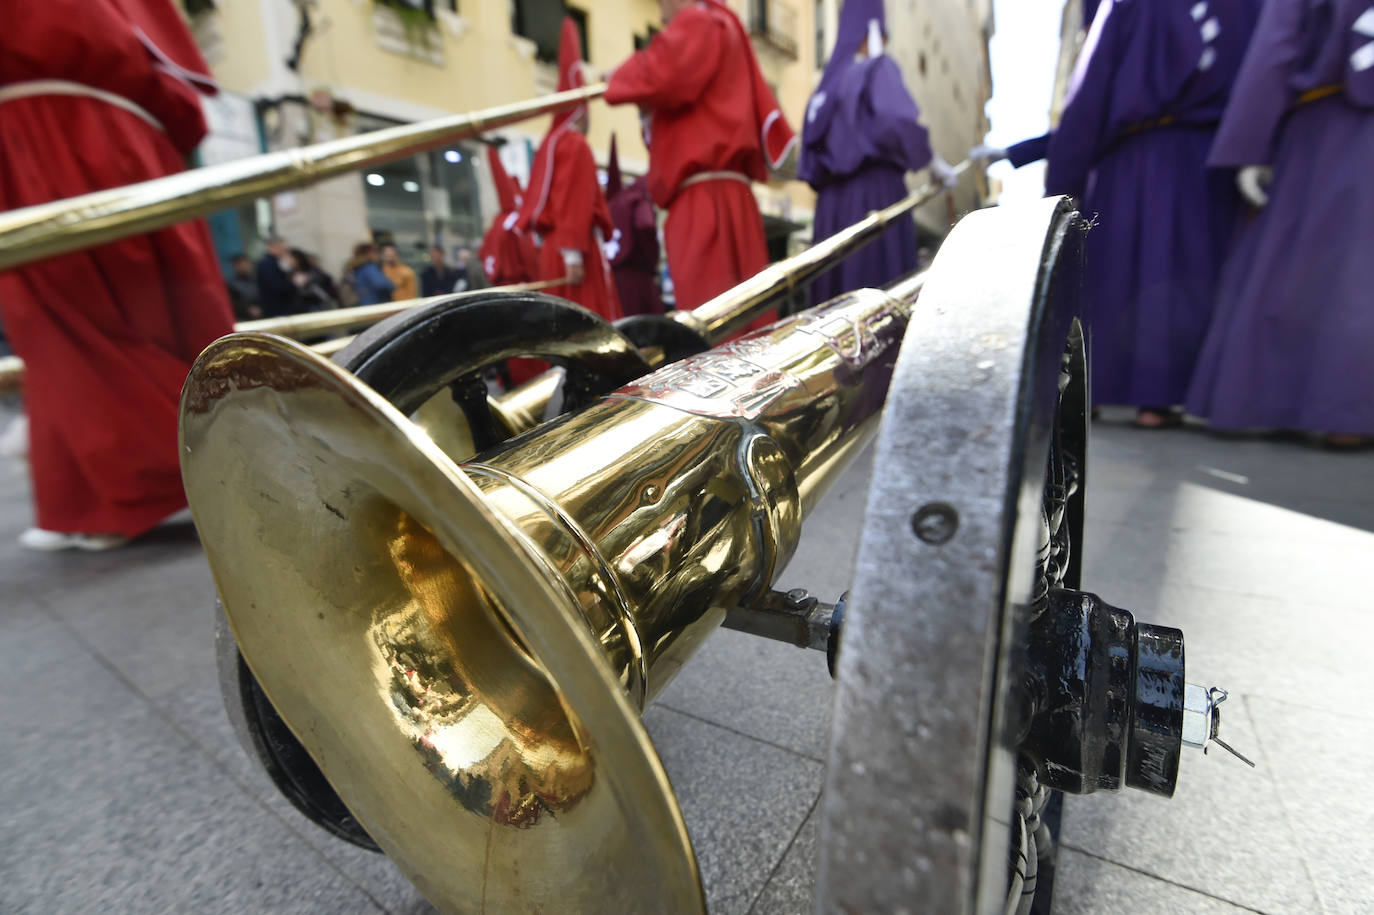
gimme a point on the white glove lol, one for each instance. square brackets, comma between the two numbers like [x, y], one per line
[572, 263]
[989, 153]
[1254, 181]
[943, 172]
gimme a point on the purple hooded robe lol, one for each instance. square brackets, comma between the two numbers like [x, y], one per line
[1292, 343]
[1132, 146]
[860, 138]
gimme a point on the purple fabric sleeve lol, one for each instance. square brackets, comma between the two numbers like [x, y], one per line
[1028, 151]
[1261, 95]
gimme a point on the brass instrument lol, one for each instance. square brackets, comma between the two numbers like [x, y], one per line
[464, 648]
[35, 232]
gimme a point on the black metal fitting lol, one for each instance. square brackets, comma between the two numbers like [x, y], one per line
[1104, 698]
[832, 644]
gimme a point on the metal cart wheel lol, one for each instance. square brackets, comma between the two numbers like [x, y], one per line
[974, 514]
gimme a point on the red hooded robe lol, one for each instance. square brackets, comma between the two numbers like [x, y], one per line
[714, 126]
[508, 255]
[108, 334]
[564, 203]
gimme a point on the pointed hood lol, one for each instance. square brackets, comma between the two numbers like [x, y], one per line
[571, 68]
[859, 21]
[613, 182]
[507, 190]
[775, 134]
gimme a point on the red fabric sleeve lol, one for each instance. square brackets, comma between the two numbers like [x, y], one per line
[675, 68]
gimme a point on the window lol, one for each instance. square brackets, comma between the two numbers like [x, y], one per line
[424, 6]
[820, 34]
[541, 21]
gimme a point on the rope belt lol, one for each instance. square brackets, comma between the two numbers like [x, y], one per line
[1317, 94]
[702, 177]
[1142, 126]
[38, 87]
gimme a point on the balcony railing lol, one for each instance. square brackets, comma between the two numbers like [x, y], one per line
[776, 24]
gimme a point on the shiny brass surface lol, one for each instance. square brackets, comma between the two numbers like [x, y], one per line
[11, 372]
[35, 232]
[464, 648]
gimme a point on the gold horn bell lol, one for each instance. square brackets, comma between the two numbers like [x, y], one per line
[465, 649]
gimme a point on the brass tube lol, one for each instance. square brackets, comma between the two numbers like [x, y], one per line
[35, 232]
[11, 372]
[318, 322]
[311, 323]
[733, 309]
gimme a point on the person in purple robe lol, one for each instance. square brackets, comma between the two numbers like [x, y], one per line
[1292, 343]
[633, 248]
[861, 136]
[1150, 86]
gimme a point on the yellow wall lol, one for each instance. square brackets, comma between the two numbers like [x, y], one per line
[480, 63]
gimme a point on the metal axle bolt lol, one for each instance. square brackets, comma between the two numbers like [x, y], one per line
[935, 522]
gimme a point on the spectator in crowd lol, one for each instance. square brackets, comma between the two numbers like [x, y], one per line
[362, 272]
[466, 263]
[108, 94]
[862, 135]
[439, 278]
[276, 291]
[312, 285]
[322, 277]
[402, 278]
[243, 288]
[1132, 144]
[1292, 343]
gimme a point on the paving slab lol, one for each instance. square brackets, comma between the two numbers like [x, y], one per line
[790, 889]
[1087, 885]
[104, 808]
[1203, 837]
[743, 801]
[1322, 760]
[772, 691]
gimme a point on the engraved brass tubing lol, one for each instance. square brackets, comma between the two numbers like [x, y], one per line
[736, 308]
[465, 648]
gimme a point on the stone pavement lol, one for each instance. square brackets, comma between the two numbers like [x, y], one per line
[122, 788]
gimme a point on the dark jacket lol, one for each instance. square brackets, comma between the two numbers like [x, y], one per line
[276, 292]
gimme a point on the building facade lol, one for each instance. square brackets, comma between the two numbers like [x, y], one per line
[295, 72]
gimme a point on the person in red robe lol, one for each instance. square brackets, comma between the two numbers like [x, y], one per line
[564, 203]
[713, 127]
[96, 94]
[507, 254]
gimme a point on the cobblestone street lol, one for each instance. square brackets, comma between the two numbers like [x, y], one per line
[125, 790]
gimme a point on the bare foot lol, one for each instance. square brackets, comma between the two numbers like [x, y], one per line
[1149, 418]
